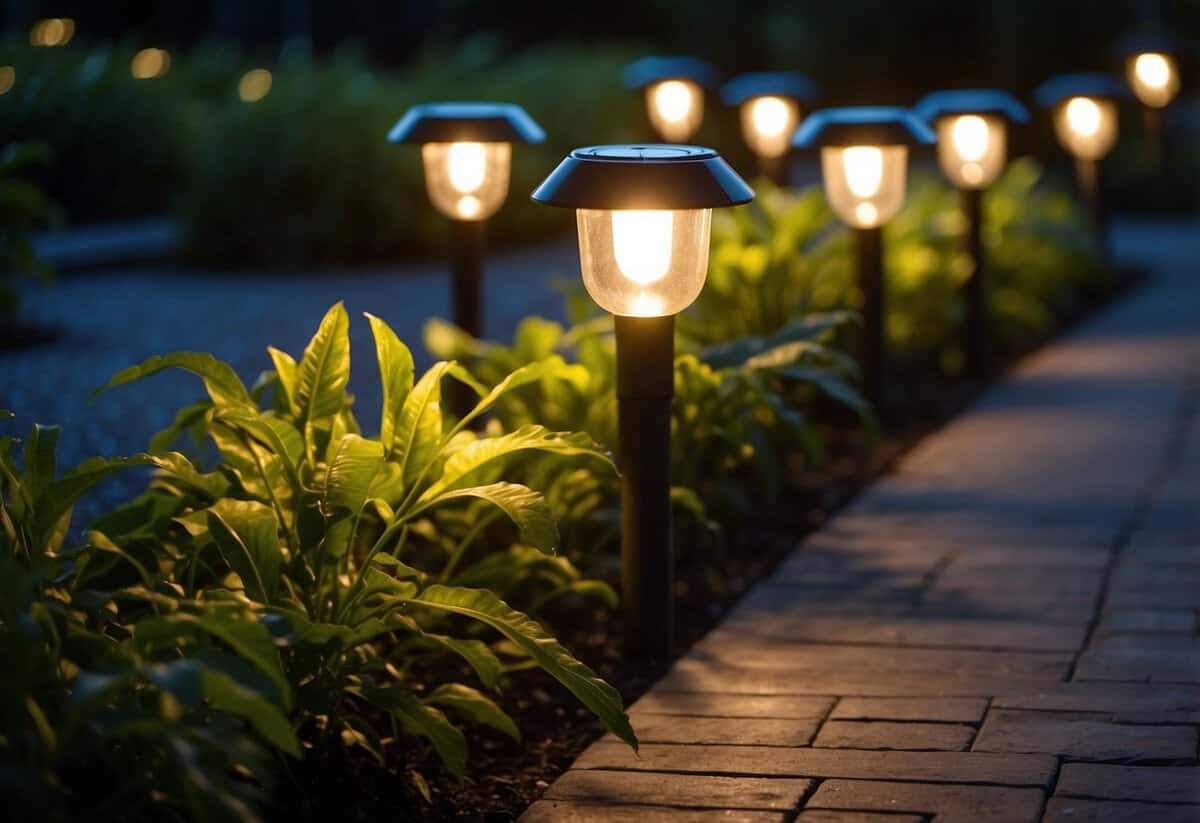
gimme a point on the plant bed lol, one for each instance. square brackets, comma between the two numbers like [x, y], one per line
[506, 777]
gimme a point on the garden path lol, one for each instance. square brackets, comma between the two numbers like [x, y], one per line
[1003, 629]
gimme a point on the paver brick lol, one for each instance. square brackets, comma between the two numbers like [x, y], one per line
[1152, 784]
[767, 761]
[1102, 697]
[878, 734]
[552, 811]
[1082, 736]
[949, 804]
[1147, 620]
[749, 731]
[837, 816]
[700, 704]
[943, 709]
[651, 788]
[1075, 810]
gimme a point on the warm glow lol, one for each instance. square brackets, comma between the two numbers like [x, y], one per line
[150, 63]
[642, 244]
[469, 207]
[771, 116]
[673, 99]
[255, 85]
[8, 76]
[864, 170]
[1154, 78]
[867, 214]
[52, 31]
[1083, 116]
[970, 136]
[1153, 70]
[468, 166]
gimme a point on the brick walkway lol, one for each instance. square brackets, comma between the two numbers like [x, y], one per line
[1005, 629]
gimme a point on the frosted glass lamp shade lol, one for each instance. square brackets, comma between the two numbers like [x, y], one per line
[467, 180]
[1086, 126]
[1154, 78]
[676, 108]
[768, 122]
[972, 149]
[644, 262]
[864, 184]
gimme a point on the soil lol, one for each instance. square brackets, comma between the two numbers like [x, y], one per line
[505, 777]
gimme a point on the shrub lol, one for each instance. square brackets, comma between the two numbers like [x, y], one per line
[24, 207]
[371, 559]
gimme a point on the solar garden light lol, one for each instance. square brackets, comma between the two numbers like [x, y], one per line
[864, 159]
[769, 104]
[1152, 68]
[643, 214]
[1084, 108]
[674, 89]
[467, 151]
[971, 126]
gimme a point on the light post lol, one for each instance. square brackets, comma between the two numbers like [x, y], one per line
[643, 214]
[864, 163]
[674, 90]
[972, 126]
[467, 151]
[1152, 68]
[769, 105]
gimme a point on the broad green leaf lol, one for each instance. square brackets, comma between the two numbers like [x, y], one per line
[61, 495]
[355, 463]
[477, 454]
[420, 719]
[474, 705]
[285, 368]
[835, 388]
[40, 458]
[481, 605]
[396, 376]
[7, 414]
[324, 368]
[220, 380]
[186, 418]
[247, 534]
[418, 435]
[277, 434]
[524, 507]
[247, 638]
[477, 653]
[550, 367]
[226, 694]
[176, 467]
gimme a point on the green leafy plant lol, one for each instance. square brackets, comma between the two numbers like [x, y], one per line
[122, 703]
[373, 558]
[734, 419]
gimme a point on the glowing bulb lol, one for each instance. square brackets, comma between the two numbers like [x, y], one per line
[150, 63]
[673, 99]
[864, 170]
[970, 136]
[1083, 115]
[867, 214]
[642, 244]
[469, 206]
[1153, 70]
[467, 166]
[771, 115]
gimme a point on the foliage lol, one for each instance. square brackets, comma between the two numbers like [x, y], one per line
[786, 255]
[373, 560]
[130, 702]
[733, 415]
[317, 143]
[23, 208]
[118, 143]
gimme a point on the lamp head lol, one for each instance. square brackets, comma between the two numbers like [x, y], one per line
[770, 104]
[674, 89]
[1084, 107]
[972, 131]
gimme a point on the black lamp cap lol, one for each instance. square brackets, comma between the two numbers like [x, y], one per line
[862, 126]
[643, 177]
[951, 102]
[1141, 42]
[458, 122]
[1062, 87]
[650, 70]
[790, 84]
